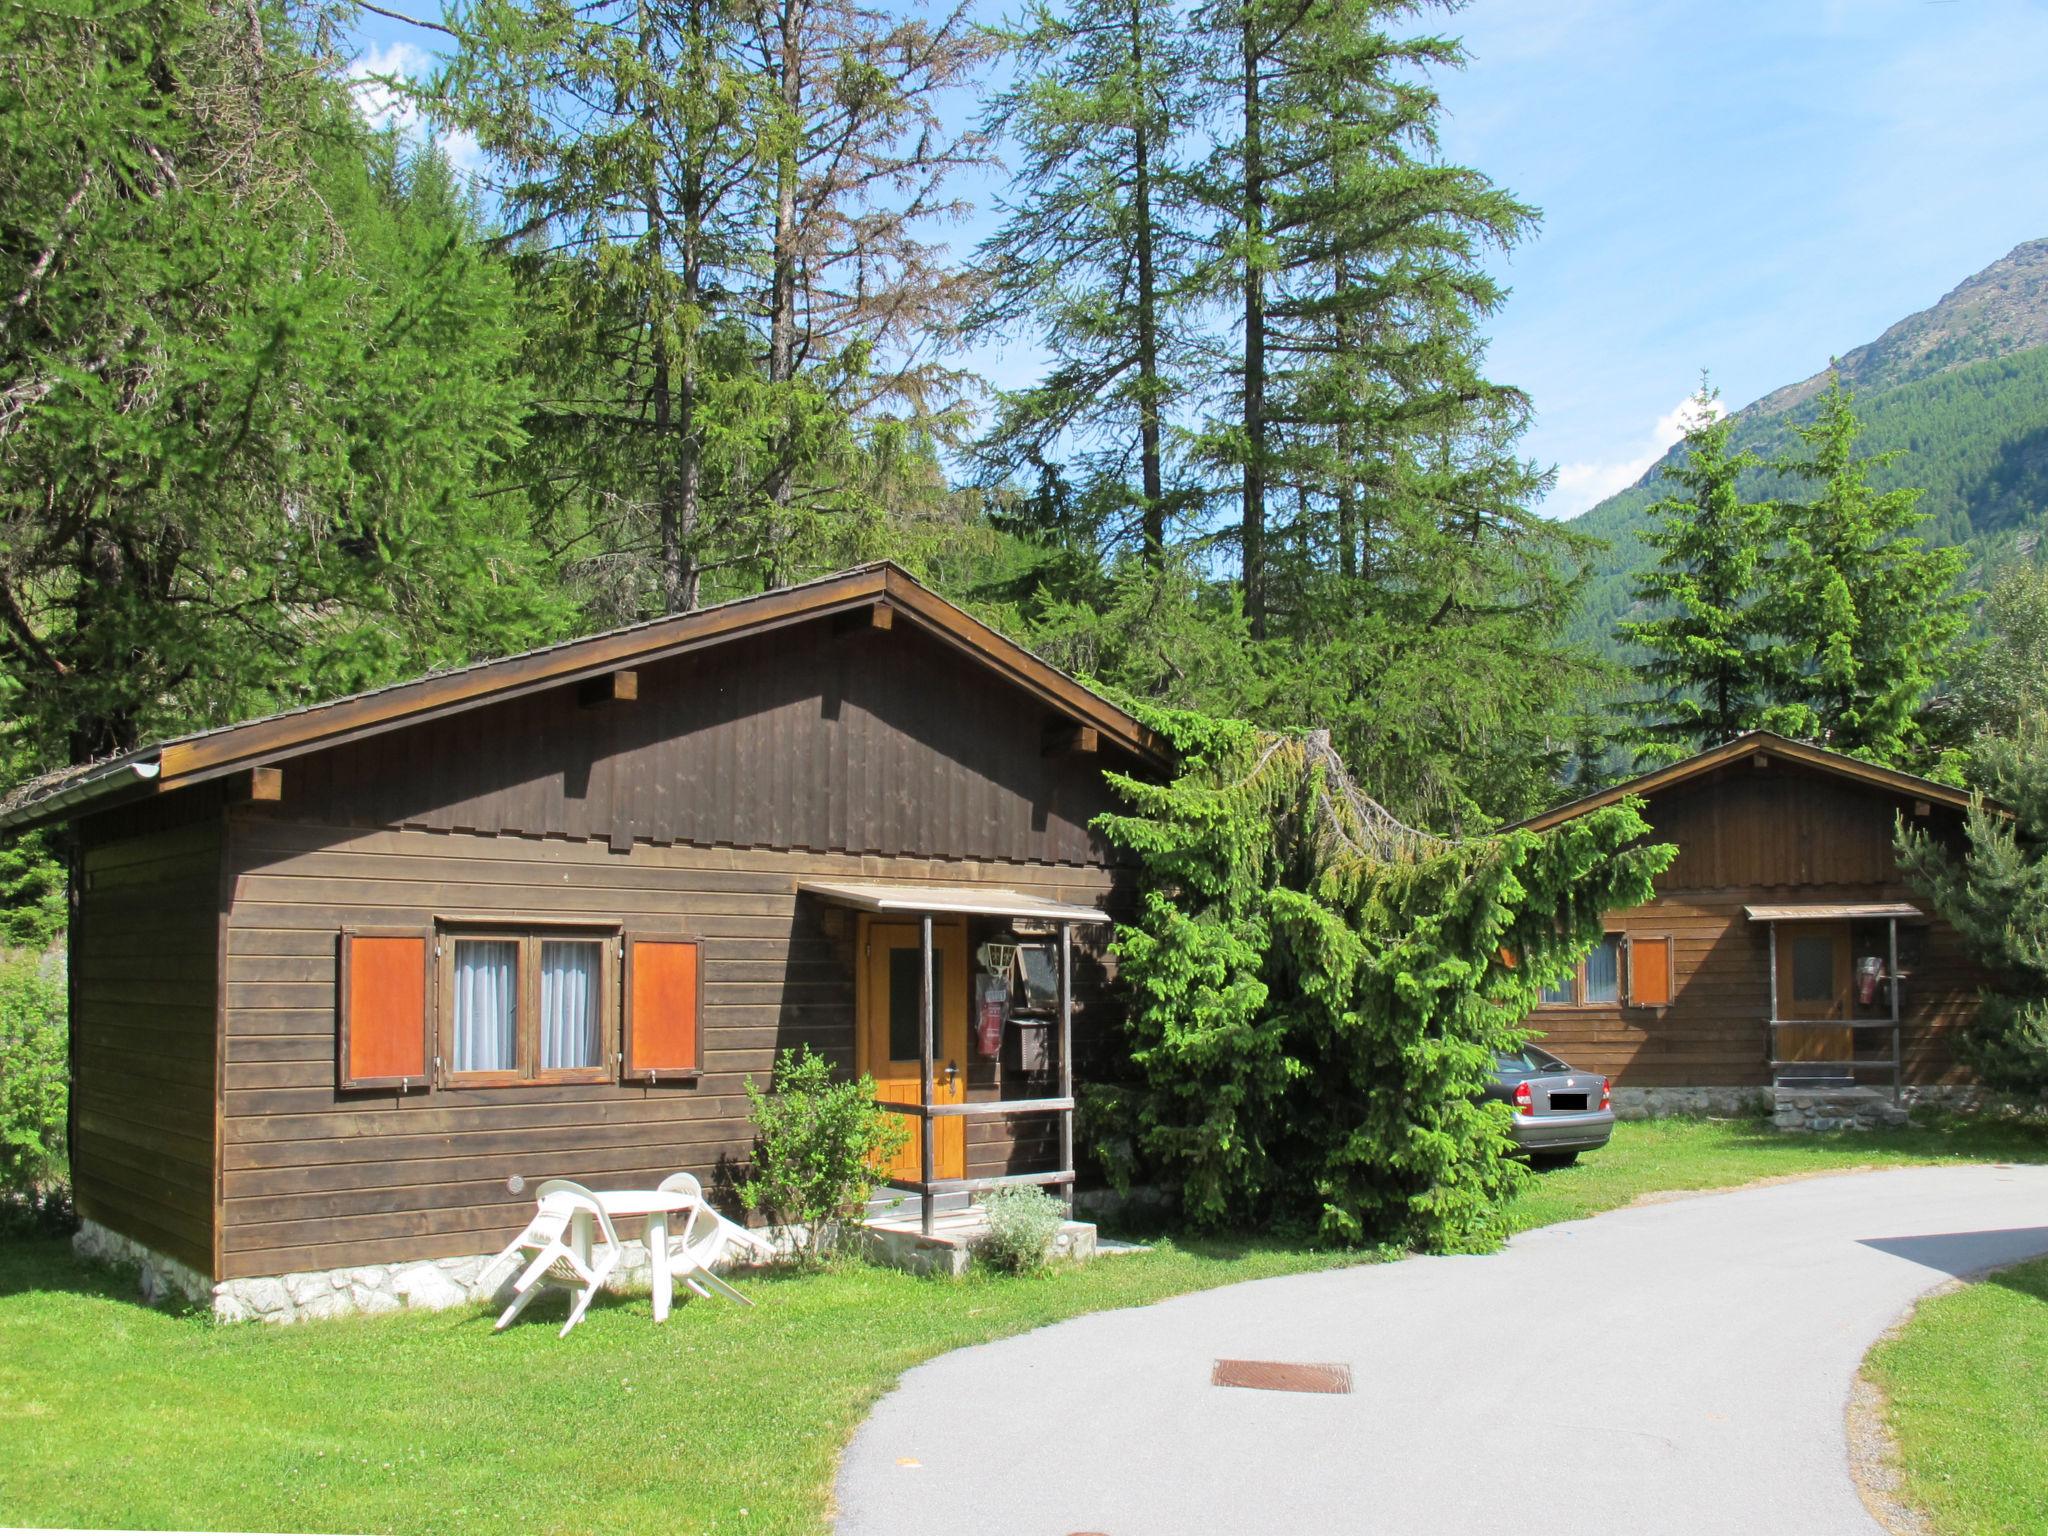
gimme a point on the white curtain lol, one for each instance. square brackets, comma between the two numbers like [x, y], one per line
[1603, 972]
[568, 1003]
[486, 1005]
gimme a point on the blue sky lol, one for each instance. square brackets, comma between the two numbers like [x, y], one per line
[1748, 188]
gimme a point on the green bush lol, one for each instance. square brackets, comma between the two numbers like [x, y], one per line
[819, 1147]
[1022, 1223]
[33, 1076]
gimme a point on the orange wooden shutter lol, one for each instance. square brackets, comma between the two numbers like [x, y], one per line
[383, 1010]
[1649, 971]
[664, 992]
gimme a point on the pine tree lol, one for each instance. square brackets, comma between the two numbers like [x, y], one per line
[1864, 612]
[1994, 892]
[1094, 261]
[1708, 669]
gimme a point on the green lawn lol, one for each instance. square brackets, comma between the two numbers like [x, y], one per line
[1967, 1383]
[725, 1420]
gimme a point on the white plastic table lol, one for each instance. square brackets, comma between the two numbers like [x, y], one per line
[655, 1206]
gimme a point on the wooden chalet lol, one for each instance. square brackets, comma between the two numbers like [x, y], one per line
[346, 980]
[1783, 947]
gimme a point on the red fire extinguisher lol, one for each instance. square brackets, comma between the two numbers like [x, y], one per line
[993, 998]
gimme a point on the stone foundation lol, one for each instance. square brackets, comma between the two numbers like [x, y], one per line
[359, 1290]
[1724, 1103]
[1801, 1110]
[160, 1279]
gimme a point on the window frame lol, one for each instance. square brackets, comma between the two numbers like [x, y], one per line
[528, 934]
[1577, 980]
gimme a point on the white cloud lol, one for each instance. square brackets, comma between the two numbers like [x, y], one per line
[383, 105]
[1584, 485]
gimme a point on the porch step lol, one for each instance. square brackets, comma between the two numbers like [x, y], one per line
[892, 1204]
[899, 1241]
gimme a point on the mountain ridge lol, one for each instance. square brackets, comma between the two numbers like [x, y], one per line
[1959, 390]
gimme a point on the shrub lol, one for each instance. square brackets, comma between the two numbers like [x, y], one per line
[819, 1146]
[33, 1077]
[1022, 1223]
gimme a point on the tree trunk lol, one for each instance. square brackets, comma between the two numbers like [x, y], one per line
[1152, 478]
[1252, 542]
[782, 282]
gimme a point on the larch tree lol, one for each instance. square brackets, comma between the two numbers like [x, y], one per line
[1095, 262]
[852, 287]
[1865, 614]
[627, 134]
[253, 373]
[1707, 671]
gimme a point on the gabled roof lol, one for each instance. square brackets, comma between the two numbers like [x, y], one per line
[1771, 744]
[212, 754]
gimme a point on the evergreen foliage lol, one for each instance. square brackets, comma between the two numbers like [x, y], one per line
[1706, 671]
[253, 368]
[1317, 991]
[1097, 257]
[1864, 611]
[1994, 892]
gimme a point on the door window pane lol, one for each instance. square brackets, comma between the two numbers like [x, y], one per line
[1603, 971]
[904, 1022]
[486, 1012]
[1813, 970]
[569, 983]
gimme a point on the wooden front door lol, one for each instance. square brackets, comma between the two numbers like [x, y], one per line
[887, 1031]
[1813, 983]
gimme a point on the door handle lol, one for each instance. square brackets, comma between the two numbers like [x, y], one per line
[952, 1072]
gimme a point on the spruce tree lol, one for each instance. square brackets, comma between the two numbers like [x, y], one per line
[1994, 892]
[1707, 671]
[1865, 614]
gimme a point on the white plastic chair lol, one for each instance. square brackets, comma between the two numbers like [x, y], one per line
[551, 1238]
[703, 1240]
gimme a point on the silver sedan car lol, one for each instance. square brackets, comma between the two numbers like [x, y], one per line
[1559, 1112]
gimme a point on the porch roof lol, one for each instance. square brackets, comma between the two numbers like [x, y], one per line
[1835, 911]
[912, 899]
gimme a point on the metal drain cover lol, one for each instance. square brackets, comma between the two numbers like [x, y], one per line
[1281, 1376]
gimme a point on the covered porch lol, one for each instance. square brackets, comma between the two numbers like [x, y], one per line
[1837, 974]
[964, 1017]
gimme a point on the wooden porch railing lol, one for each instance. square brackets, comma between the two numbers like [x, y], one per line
[928, 1187]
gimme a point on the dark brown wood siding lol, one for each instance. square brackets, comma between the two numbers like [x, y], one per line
[1752, 836]
[314, 1178]
[145, 943]
[806, 739]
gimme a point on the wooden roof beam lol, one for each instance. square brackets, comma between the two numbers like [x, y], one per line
[621, 687]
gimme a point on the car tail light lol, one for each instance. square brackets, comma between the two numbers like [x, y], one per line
[1607, 1093]
[1525, 1099]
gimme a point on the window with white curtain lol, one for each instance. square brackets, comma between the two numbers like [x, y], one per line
[571, 979]
[485, 1011]
[528, 1006]
[1596, 980]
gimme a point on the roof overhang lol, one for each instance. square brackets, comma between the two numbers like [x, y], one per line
[904, 899]
[215, 754]
[1834, 911]
[1764, 746]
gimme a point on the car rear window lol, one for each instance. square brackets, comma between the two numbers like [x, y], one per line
[1526, 1061]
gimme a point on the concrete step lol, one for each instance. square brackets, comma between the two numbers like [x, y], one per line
[892, 1204]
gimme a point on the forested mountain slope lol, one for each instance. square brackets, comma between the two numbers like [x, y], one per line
[1960, 389]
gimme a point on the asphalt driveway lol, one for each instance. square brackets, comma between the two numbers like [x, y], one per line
[1678, 1367]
